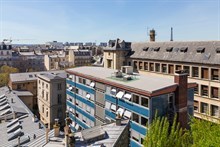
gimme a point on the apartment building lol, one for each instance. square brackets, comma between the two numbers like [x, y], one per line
[51, 97]
[5, 54]
[53, 62]
[25, 84]
[199, 58]
[96, 95]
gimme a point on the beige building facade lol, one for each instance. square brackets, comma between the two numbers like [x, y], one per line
[115, 53]
[199, 58]
[52, 98]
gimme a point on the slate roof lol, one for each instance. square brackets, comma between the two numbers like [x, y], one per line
[146, 50]
[30, 76]
[24, 121]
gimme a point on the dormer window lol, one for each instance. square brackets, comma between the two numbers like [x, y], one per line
[183, 49]
[145, 49]
[169, 49]
[156, 49]
[217, 50]
[200, 50]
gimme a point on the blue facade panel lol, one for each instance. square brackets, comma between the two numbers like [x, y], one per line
[82, 124]
[134, 108]
[83, 87]
[110, 98]
[85, 101]
[110, 114]
[81, 111]
[134, 144]
[138, 128]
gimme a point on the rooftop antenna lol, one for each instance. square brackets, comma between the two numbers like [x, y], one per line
[171, 35]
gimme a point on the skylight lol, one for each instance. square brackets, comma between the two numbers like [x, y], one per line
[200, 50]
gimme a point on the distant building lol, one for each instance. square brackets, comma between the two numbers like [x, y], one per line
[25, 85]
[116, 53]
[55, 62]
[28, 61]
[103, 44]
[51, 97]
[80, 57]
[96, 95]
[5, 54]
[54, 45]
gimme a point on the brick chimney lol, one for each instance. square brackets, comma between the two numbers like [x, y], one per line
[56, 128]
[181, 98]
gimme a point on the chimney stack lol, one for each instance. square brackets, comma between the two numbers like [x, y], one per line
[56, 128]
[19, 141]
[47, 132]
[118, 119]
[181, 98]
[171, 35]
[152, 35]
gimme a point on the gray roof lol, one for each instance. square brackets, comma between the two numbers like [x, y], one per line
[118, 45]
[24, 115]
[22, 93]
[208, 57]
[151, 82]
[112, 131]
[52, 76]
[30, 76]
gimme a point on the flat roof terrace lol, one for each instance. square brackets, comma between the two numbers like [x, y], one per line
[148, 83]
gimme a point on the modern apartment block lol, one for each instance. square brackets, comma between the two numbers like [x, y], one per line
[51, 97]
[199, 58]
[96, 95]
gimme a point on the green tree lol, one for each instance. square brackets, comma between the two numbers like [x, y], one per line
[4, 74]
[205, 133]
[202, 133]
[162, 133]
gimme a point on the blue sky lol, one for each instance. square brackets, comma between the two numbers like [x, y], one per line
[101, 20]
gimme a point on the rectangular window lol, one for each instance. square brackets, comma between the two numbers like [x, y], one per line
[46, 96]
[164, 68]
[144, 102]
[195, 72]
[214, 92]
[215, 110]
[84, 81]
[204, 90]
[205, 73]
[151, 66]
[157, 67]
[59, 99]
[204, 108]
[135, 65]
[171, 69]
[196, 106]
[42, 93]
[214, 74]
[144, 121]
[145, 65]
[80, 80]
[196, 89]
[135, 117]
[77, 115]
[59, 86]
[140, 65]
[178, 67]
[136, 99]
[186, 69]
